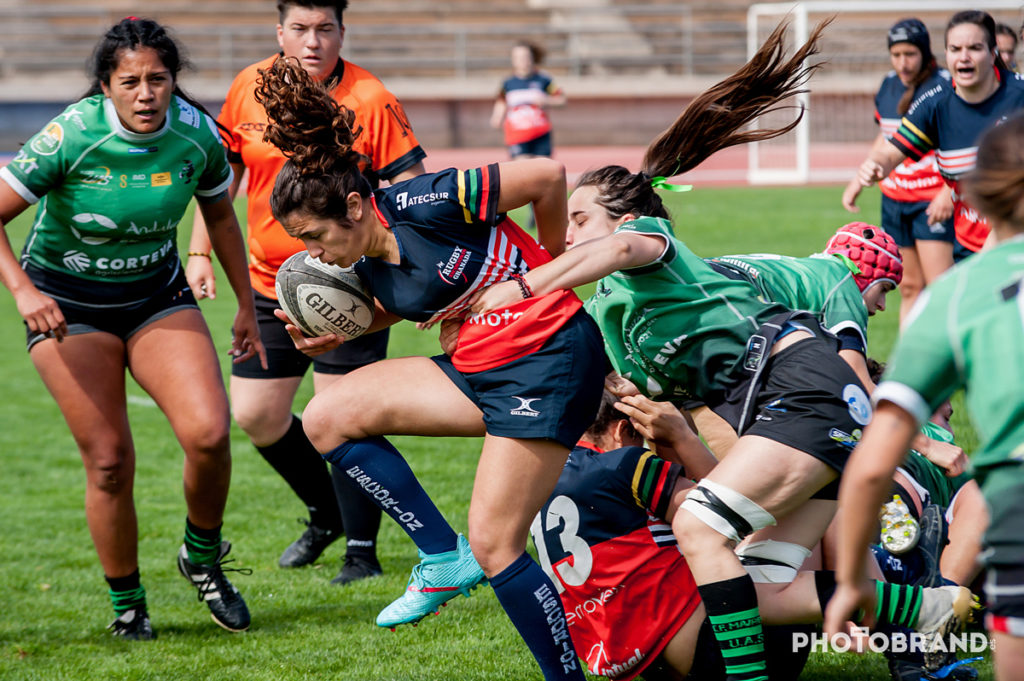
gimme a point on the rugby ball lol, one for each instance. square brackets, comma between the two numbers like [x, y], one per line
[323, 299]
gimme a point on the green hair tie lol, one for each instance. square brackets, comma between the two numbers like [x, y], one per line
[661, 182]
[850, 264]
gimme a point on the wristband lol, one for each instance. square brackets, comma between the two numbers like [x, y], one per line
[524, 288]
[199, 253]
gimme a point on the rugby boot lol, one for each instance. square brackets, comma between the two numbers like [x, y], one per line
[133, 624]
[944, 610]
[355, 568]
[435, 581]
[222, 598]
[308, 547]
[900, 531]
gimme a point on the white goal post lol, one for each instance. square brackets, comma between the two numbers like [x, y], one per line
[839, 106]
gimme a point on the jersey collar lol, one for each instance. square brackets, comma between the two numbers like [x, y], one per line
[589, 445]
[124, 133]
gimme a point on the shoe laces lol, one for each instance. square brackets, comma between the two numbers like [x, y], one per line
[216, 581]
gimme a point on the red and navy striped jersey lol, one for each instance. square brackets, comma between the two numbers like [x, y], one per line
[453, 243]
[941, 120]
[603, 540]
[912, 180]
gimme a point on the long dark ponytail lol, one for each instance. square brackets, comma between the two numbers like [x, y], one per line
[713, 121]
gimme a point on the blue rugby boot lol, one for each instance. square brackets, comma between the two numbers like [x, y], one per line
[435, 581]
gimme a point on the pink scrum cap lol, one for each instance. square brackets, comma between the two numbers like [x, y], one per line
[873, 251]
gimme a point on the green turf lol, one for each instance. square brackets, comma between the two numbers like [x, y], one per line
[52, 590]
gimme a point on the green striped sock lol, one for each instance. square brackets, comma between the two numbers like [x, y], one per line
[731, 606]
[898, 604]
[203, 546]
[126, 593]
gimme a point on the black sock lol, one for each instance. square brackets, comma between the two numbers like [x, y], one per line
[360, 515]
[297, 461]
[825, 585]
[126, 592]
[731, 607]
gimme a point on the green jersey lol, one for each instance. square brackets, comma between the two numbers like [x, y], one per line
[967, 330]
[820, 284]
[676, 328]
[110, 199]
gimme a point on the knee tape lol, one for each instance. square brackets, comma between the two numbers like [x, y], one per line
[726, 511]
[772, 562]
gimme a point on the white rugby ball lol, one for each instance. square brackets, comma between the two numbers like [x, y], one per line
[323, 299]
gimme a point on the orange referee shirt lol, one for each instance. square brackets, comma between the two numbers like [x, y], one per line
[387, 140]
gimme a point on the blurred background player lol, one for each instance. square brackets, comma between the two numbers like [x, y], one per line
[916, 204]
[312, 32]
[522, 103]
[107, 294]
[967, 333]
[950, 120]
[1006, 43]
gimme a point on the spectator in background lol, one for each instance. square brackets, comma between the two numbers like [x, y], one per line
[522, 103]
[312, 32]
[1006, 43]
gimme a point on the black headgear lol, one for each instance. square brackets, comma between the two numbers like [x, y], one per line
[912, 31]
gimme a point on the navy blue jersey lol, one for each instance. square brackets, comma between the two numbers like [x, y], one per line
[941, 120]
[453, 242]
[603, 540]
[914, 179]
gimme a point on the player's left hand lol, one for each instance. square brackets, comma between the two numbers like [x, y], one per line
[311, 347]
[940, 208]
[947, 456]
[495, 297]
[245, 338]
[657, 422]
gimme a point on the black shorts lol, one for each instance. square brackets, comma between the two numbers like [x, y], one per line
[119, 308]
[284, 361]
[907, 222]
[1003, 547]
[552, 393]
[812, 400]
[535, 147]
[785, 660]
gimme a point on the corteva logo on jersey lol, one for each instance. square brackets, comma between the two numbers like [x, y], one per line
[861, 639]
[403, 200]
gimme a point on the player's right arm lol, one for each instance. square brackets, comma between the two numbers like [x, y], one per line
[41, 312]
[199, 268]
[882, 160]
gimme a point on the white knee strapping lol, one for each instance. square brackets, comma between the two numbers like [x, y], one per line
[754, 515]
[791, 555]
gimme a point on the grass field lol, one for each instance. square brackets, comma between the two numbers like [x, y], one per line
[54, 601]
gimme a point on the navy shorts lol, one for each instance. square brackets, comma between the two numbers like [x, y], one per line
[907, 222]
[812, 400]
[284, 361]
[119, 308]
[537, 147]
[552, 393]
